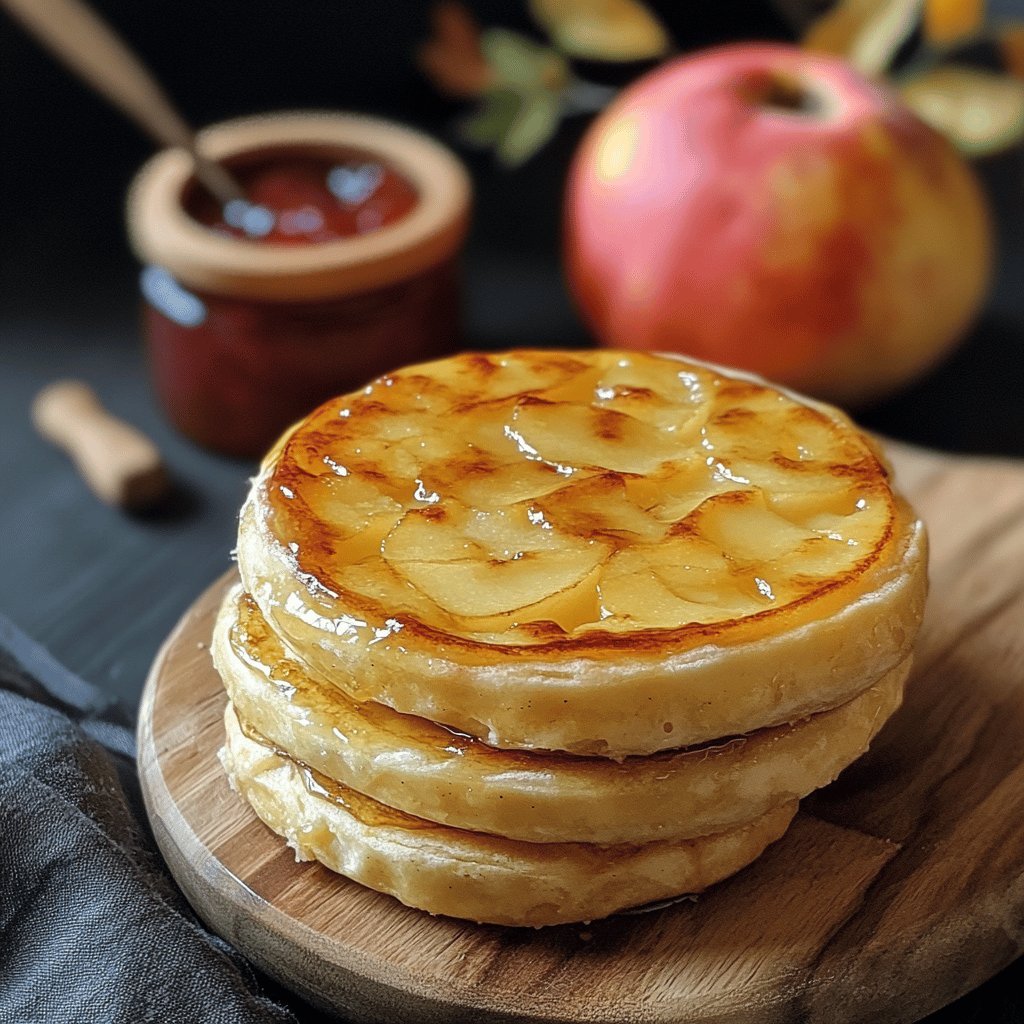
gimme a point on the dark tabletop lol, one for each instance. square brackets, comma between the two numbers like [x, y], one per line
[101, 588]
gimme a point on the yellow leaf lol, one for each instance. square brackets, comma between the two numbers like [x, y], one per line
[867, 32]
[1011, 46]
[835, 31]
[979, 111]
[612, 30]
[946, 21]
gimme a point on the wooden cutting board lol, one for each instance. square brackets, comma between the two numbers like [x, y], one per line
[897, 889]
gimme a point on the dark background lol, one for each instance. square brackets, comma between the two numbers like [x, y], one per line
[102, 589]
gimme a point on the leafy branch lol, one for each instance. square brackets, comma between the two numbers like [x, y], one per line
[981, 111]
[524, 88]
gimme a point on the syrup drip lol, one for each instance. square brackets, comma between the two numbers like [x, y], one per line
[363, 808]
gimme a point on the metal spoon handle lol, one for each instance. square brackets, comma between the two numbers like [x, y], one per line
[76, 34]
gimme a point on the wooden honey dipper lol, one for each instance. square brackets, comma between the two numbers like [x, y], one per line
[119, 463]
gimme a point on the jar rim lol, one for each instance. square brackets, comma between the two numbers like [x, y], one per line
[162, 232]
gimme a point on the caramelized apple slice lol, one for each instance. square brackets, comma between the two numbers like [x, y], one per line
[675, 382]
[741, 525]
[480, 563]
[498, 377]
[490, 483]
[650, 408]
[598, 506]
[674, 490]
[571, 437]
[556, 615]
[630, 599]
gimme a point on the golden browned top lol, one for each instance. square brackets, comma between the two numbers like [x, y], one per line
[544, 499]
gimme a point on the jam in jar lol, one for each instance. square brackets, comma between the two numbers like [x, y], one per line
[305, 199]
[341, 265]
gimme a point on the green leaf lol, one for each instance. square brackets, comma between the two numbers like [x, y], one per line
[867, 32]
[979, 111]
[522, 110]
[520, 63]
[535, 123]
[610, 30]
[489, 123]
[514, 124]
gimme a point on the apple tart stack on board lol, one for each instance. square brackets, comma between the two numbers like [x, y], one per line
[536, 637]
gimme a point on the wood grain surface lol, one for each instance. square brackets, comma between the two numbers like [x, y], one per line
[897, 889]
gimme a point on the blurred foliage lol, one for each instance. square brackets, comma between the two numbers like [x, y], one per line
[453, 58]
[980, 110]
[523, 87]
[521, 109]
[1011, 46]
[947, 21]
[866, 32]
[613, 30]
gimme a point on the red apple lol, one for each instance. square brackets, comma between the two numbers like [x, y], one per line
[769, 208]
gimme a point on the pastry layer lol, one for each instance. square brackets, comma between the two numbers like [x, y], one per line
[463, 874]
[427, 770]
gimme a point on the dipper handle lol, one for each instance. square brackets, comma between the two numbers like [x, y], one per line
[76, 34]
[119, 463]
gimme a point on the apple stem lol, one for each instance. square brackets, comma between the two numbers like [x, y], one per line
[786, 93]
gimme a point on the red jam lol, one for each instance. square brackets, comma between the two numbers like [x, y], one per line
[305, 199]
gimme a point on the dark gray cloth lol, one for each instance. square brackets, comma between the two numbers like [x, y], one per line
[92, 928]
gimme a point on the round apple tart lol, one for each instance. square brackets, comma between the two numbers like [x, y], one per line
[562, 610]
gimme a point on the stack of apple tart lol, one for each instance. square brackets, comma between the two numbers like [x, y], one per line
[536, 637]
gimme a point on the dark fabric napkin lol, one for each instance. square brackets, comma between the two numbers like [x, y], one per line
[92, 928]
